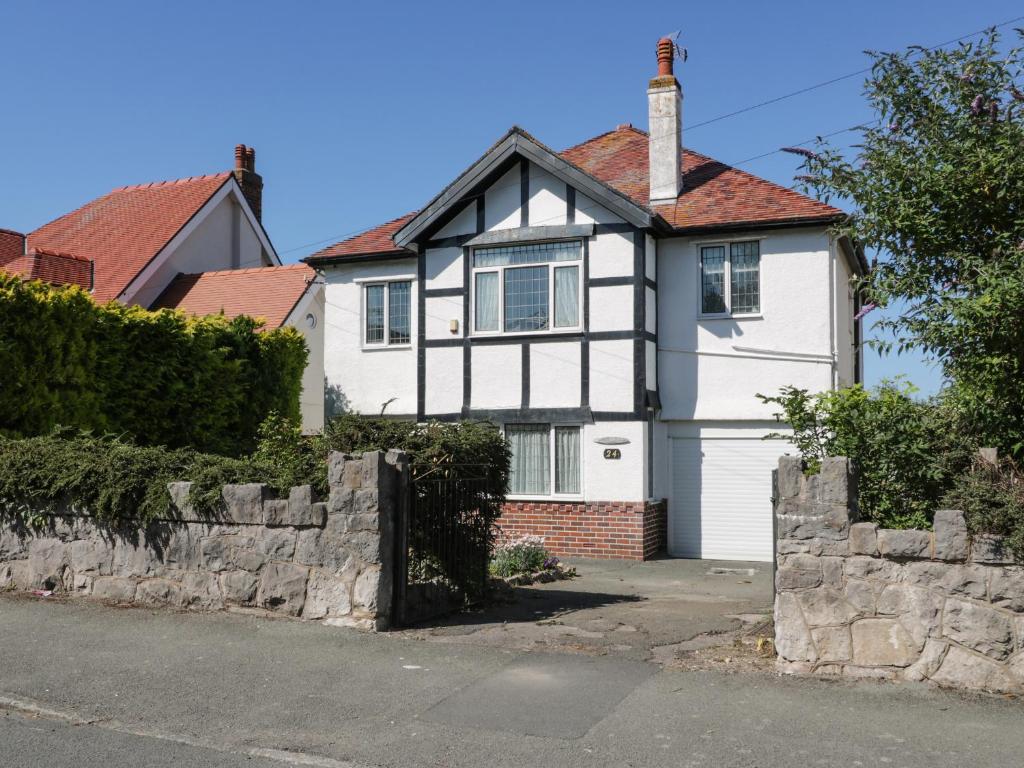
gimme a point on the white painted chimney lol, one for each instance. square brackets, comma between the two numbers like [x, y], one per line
[665, 115]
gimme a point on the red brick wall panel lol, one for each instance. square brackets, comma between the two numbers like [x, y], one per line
[604, 529]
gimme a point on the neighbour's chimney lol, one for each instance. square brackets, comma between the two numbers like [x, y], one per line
[250, 181]
[665, 115]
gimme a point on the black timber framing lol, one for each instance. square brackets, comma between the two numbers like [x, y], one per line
[524, 192]
[421, 336]
[639, 324]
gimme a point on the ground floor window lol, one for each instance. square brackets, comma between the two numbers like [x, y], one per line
[546, 459]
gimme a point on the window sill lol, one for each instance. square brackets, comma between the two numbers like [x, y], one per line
[568, 333]
[384, 347]
[546, 499]
[751, 316]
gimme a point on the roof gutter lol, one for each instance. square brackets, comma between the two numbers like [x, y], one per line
[358, 258]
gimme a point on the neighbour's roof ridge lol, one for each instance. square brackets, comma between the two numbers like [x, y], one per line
[169, 182]
[245, 270]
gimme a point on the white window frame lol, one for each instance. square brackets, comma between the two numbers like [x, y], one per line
[552, 266]
[385, 343]
[551, 495]
[726, 244]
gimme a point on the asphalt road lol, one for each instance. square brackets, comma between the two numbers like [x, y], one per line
[148, 688]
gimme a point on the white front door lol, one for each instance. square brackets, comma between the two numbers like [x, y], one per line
[720, 508]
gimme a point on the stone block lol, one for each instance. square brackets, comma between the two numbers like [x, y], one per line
[183, 548]
[790, 477]
[365, 501]
[238, 586]
[919, 610]
[833, 643]
[1006, 587]
[246, 559]
[829, 547]
[873, 568]
[275, 512]
[181, 507]
[336, 464]
[366, 593]
[951, 539]
[318, 513]
[49, 564]
[275, 543]
[966, 580]
[160, 592]
[94, 556]
[928, 662]
[991, 550]
[132, 557]
[201, 590]
[864, 539]
[114, 588]
[244, 502]
[882, 643]
[790, 547]
[860, 595]
[832, 524]
[365, 545]
[792, 637]
[82, 583]
[327, 595]
[339, 501]
[283, 588]
[832, 571]
[985, 630]
[962, 669]
[308, 546]
[214, 552]
[13, 545]
[834, 480]
[798, 578]
[904, 544]
[825, 606]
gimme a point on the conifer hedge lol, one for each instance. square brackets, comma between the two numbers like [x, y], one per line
[160, 377]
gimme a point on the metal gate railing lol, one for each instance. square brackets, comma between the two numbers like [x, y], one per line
[443, 544]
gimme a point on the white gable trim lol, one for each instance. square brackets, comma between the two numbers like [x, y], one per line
[228, 188]
[302, 305]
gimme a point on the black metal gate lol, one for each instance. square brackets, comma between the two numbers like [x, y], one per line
[443, 544]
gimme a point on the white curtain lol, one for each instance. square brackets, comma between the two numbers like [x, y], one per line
[486, 298]
[567, 297]
[531, 459]
[567, 459]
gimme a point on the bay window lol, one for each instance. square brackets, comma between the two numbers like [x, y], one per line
[542, 453]
[387, 313]
[730, 278]
[532, 288]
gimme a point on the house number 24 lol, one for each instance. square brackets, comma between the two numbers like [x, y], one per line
[612, 453]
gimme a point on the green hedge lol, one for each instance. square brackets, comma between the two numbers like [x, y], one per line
[161, 377]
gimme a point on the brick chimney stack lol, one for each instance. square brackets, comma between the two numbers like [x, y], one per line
[250, 181]
[665, 116]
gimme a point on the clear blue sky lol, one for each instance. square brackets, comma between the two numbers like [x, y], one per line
[362, 112]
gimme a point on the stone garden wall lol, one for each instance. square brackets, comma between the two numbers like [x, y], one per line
[329, 560]
[859, 601]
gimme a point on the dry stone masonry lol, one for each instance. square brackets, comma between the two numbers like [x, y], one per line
[327, 560]
[856, 600]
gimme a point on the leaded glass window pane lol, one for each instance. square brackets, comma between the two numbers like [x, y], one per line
[712, 275]
[374, 314]
[399, 312]
[745, 269]
[526, 299]
[534, 253]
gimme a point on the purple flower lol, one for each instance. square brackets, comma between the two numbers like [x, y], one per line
[801, 151]
[977, 104]
[993, 109]
[966, 77]
[864, 310]
[804, 178]
[895, 127]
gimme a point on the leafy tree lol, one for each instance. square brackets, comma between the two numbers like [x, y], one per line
[938, 188]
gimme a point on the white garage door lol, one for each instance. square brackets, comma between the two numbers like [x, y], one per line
[721, 498]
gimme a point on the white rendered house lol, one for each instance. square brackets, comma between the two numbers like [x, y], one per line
[615, 308]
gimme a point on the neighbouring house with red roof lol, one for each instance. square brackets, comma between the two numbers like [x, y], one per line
[194, 244]
[615, 307]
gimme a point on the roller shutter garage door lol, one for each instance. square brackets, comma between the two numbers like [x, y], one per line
[721, 498]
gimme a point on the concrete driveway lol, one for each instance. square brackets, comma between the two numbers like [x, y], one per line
[663, 610]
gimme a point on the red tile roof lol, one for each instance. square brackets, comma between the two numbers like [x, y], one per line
[12, 245]
[51, 267]
[122, 231]
[376, 240]
[267, 292]
[714, 194]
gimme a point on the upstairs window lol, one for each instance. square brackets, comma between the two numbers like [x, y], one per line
[730, 278]
[531, 288]
[387, 313]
